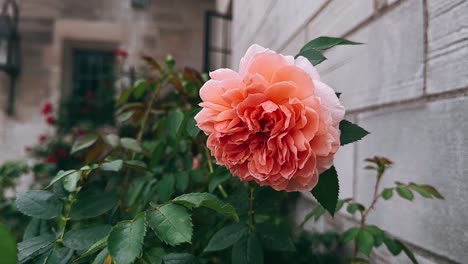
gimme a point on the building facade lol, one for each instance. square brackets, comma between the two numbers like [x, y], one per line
[407, 85]
[53, 30]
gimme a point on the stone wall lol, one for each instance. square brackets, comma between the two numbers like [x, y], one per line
[49, 27]
[408, 85]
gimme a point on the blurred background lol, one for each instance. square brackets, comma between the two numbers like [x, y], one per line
[407, 85]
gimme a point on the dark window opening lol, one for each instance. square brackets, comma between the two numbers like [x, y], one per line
[92, 97]
[217, 52]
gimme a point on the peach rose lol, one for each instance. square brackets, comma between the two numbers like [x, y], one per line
[273, 122]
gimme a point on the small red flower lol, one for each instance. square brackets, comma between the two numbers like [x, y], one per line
[150, 79]
[89, 94]
[27, 149]
[42, 138]
[50, 120]
[121, 53]
[81, 132]
[61, 153]
[47, 109]
[52, 159]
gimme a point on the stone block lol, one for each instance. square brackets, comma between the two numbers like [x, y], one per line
[285, 19]
[293, 46]
[339, 17]
[447, 45]
[388, 67]
[427, 142]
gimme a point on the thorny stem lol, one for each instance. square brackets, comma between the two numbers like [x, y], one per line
[364, 214]
[143, 126]
[251, 212]
[65, 217]
[147, 112]
[210, 168]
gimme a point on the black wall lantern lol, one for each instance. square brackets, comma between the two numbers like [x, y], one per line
[10, 47]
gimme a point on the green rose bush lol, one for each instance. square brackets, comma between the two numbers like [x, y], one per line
[184, 180]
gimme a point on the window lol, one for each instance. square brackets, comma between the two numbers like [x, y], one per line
[92, 96]
[217, 41]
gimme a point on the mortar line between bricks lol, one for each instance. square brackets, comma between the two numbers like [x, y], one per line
[304, 26]
[428, 98]
[262, 21]
[426, 43]
[376, 15]
[355, 161]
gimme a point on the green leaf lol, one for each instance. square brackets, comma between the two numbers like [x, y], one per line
[124, 117]
[174, 122]
[115, 165]
[8, 254]
[314, 56]
[112, 140]
[191, 127]
[94, 248]
[393, 246]
[39, 204]
[226, 237]
[101, 257]
[90, 204]
[421, 190]
[377, 233]
[316, 213]
[124, 96]
[139, 88]
[340, 204]
[409, 254]
[136, 164]
[125, 241]
[60, 175]
[351, 132]
[134, 191]
[131, 144]
[84, 238]
[350, 234]
[165, 188]
[70, 181]
[324, 43]
[207, 200]
[179, 258]
[154, 255]
[247, 251]
[365, 242]
[353, 207]
[182, 181]
[172, 223]
[89, 167]
[156, 155]
[387, 193]
[433, 191]
[33, 247]
[55, 256]
[217, 180]
[404, 192]
[327, 190]
[36, 227]
[83, 142]
[275, 238]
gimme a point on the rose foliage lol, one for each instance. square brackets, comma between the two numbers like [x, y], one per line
[155, 189]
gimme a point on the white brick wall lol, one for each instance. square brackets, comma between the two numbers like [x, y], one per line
[408, 85]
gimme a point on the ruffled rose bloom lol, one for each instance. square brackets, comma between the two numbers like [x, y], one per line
[273, 122]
